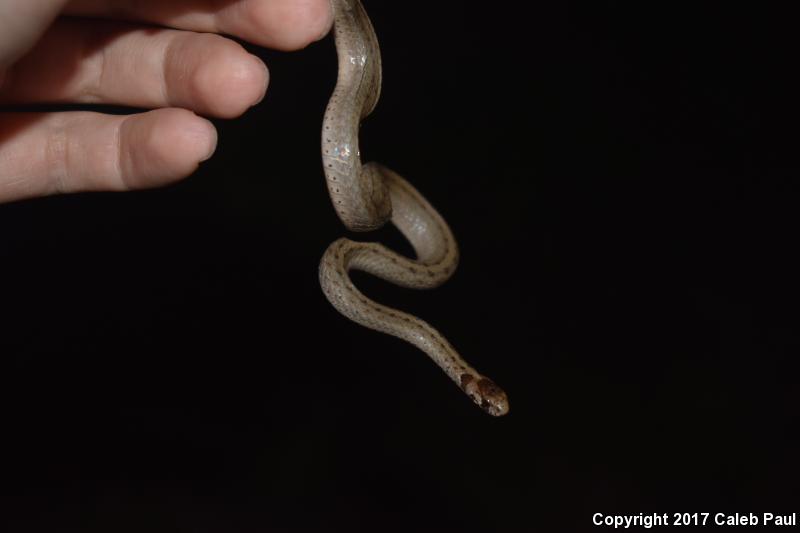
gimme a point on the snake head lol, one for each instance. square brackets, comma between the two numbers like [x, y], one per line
[485, 394]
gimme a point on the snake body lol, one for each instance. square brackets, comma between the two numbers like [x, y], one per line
[366, 197]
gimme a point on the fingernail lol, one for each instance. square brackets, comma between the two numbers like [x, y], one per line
[212, 142]
[266, 80]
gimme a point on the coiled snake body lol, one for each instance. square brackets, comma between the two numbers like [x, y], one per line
[366, 197]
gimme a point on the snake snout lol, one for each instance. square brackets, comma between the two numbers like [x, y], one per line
[493, 399]
[496, 407]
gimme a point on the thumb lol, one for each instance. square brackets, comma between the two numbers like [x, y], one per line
[22, 22]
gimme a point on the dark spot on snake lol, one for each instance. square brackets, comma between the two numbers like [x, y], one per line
[465, 379]
[488, 388]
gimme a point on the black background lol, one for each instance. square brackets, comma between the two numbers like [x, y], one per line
[622, 182]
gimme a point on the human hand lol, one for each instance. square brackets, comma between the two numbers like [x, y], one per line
[162, 55]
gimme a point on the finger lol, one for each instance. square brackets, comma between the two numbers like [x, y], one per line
[79, 61]
[279, 24]
[21, 24]
[49, 153]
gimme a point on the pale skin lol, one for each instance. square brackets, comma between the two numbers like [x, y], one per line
[172, 57]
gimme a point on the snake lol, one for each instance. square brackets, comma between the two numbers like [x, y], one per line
[366, 197]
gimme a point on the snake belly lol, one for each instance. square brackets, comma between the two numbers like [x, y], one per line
[367, 196]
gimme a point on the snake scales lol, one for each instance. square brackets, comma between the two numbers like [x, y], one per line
[366, 197]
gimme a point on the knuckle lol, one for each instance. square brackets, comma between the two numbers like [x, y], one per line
[57, 157]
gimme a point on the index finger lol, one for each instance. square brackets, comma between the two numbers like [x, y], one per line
[278, 24]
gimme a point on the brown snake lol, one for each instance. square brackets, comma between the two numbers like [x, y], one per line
[366, 197]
